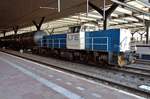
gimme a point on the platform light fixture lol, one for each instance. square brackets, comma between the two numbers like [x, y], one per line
[83, 18]
[95, 16]
[120, 20]
[131, 7]
[51, 8]
[114, 15]
[144, 2]
[144, 17]
[123, 10]
[135, 4]
[131, 19]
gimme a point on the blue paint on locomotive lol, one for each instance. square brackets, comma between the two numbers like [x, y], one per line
[105, 40]
[55, 41]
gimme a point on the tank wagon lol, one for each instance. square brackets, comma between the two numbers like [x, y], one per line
[22, 41]
[87, 44]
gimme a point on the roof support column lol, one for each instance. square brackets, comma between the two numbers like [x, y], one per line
[38, 26]
[105, 24]
[4, 33]
[15, 28]
[132, 34]
[107, 12]
[141, 35]
[147, 25]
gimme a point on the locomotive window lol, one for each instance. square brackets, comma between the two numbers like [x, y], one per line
[71, 29]
[86, 28]
[75, 29]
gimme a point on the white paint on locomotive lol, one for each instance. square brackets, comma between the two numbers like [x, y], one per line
[125, 39]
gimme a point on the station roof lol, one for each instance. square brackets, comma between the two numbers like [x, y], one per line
[22, 12]
[74, 12]
[122, 17]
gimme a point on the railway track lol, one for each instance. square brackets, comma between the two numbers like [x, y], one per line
[121, 78]
[133, 70]
[141, 61]
[139, 70]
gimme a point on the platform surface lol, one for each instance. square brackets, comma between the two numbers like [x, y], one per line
[23, 79]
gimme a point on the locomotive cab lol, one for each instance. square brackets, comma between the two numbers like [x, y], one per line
[76, 36]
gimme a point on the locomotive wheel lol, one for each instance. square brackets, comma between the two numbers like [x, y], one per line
[70, 57]
[121, 61]
[84, 58]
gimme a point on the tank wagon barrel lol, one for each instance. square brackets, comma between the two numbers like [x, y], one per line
[22, 41]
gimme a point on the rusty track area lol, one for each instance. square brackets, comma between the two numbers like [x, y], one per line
[120, 78]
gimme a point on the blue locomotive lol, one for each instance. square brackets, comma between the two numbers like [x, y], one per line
[88, 44]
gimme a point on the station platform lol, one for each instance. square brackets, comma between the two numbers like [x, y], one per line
[24, 79]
